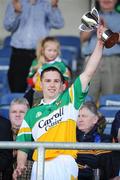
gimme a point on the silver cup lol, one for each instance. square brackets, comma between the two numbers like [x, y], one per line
[90, 22]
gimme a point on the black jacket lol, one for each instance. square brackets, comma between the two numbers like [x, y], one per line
[6, 155]
[116, 126]
[92, 159]
[114, 133]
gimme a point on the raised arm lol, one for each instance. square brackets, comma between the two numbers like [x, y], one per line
[94, 59]
[55, 17]
[12, 15]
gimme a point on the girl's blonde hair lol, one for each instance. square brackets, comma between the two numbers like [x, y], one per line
[41, 46]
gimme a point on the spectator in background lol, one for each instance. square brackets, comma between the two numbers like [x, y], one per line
[54, 120]
[18, 109]
[106, 78]
[90, 127]
[28, 21]
[6, 156]
[48, 51]
[115, 132]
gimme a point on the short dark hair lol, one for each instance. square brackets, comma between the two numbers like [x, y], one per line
[53, 69]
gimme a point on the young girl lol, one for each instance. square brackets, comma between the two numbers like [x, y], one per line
[48, 51]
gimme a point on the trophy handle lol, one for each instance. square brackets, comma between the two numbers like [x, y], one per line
[95, 14]
[83, 27]
[110, 38]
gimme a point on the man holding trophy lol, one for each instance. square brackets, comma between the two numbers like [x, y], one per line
[106, 78]
[54, 120]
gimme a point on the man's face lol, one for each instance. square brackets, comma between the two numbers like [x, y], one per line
[16, 114]
[86, 120]
[52, 85]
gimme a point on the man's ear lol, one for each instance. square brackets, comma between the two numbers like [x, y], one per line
[64, 86]
[41, 85]
[95, 120]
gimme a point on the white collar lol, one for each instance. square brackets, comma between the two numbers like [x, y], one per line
[57, 59]
[42, 102]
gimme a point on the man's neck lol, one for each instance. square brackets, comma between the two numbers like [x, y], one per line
[48, 101]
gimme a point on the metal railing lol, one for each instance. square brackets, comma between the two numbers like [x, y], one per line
[42, 146]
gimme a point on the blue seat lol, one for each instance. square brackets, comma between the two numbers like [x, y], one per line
[109, 105]
[109, 113]
[7, 40]
[5, 52]
[71, 43]
[4, 61]
[4, 111]
[5, 103]
[68, 57]
[7, 98]
[88, 98]
[4, 64]
[107, 129]
[6, 48]
[4, 87]
[109, 100]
